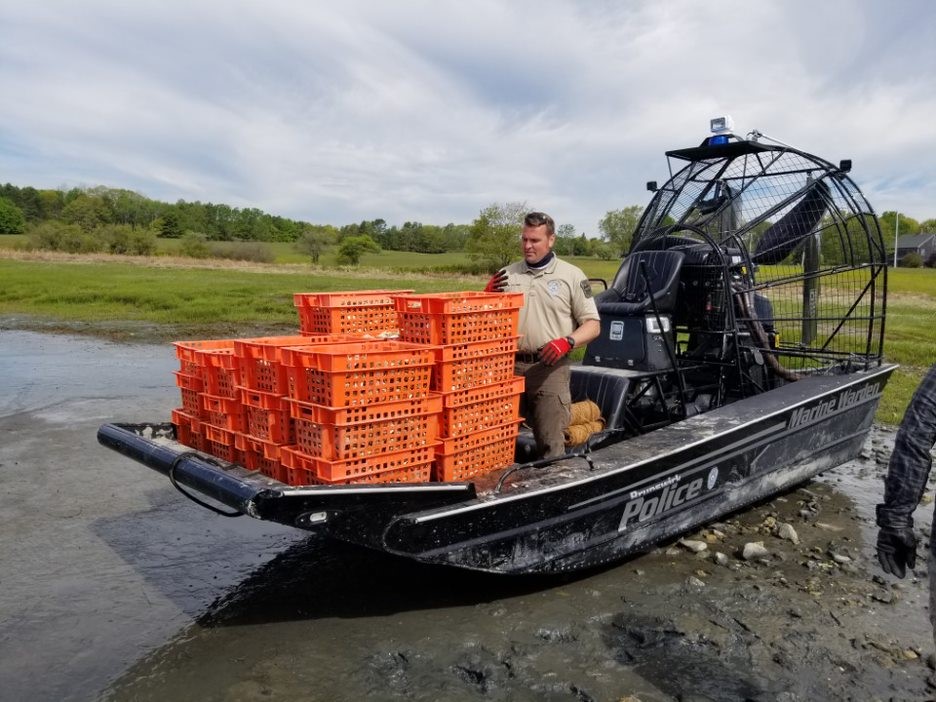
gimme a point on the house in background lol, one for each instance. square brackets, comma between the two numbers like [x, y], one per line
[923, 244]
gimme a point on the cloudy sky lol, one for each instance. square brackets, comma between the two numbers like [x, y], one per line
[334, 112]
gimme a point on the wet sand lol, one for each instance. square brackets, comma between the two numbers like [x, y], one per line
[116, 587]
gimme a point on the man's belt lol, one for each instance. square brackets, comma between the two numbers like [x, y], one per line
[525, 357]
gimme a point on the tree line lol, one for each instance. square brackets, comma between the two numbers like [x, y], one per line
[123, 221]
[90, 208]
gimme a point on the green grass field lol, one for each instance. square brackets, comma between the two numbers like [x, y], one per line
[194, 297]
[103, 295]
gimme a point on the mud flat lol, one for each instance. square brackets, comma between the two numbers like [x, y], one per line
[118, 588]
[807, 615]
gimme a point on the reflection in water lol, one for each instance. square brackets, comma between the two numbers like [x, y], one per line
[324, 620]
[324, 578]
[186, 554]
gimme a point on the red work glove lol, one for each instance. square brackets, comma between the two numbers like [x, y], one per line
[497, 283]
[554, 350]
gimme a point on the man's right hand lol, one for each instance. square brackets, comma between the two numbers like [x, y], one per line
[497, 283]
[896, 550]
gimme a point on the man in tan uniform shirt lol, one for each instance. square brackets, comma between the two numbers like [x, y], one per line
[558, 314]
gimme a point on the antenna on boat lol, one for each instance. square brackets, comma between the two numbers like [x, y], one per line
[722, 129]
[756, 135]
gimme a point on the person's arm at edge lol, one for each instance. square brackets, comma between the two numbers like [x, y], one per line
[910, 462]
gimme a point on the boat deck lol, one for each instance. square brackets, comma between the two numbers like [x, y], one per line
[631, 453]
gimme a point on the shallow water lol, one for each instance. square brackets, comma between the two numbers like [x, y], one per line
[103, 559]
[122, 589]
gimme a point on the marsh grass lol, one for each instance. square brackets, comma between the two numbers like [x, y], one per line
[204, 299]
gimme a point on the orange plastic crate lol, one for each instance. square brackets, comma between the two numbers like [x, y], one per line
[180, 417]
[223, 412]
[412, 465]
[255, 460]
[476, 409]
[212, 360]
[374, 429]
[297, 475]
[363, 320]
[221, 376]
[346, 389]
[347, 298]
[464, 366]
[474, 461]
[454, 444]
[458, 328]
[193, 355]
[259, 359]
[457, 302]
[190, 388]
[357, 312]
[195, 351]
[339, 375]
[268, 449]
[274, 425]
[452, 318]
[192, 368]
[357, 356]
[187, 428]
[359, 414]
[263, 400]
[220, 443]
[420, 473]
[190, 381]
[191, 402]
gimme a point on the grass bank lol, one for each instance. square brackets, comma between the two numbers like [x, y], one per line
[165, 301]
[164, 298]
[909, 337]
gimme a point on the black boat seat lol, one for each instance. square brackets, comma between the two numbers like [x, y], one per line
[647, 284]
[607, 391]
[629, 294]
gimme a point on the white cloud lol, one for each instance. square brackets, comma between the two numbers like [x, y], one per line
[430, 111]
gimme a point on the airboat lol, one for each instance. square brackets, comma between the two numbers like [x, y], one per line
[740, 355]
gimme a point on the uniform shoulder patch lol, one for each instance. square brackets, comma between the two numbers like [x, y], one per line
[586, 288]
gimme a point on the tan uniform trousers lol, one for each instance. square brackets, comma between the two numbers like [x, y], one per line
[547, 403]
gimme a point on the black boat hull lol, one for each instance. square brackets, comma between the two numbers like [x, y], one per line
[579, 512]
[653, 487]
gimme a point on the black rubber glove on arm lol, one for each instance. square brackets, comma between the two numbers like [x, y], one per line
[896, 548]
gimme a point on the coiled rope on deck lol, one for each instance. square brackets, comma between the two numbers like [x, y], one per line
[585, 420]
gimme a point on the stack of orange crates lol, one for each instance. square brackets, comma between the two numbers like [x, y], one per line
[338, 404]
[475, 339]
[368, 312]
[262, 390]
[211, 414]
[363, 413]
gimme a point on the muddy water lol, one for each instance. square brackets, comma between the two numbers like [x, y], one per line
[101, 560]
[116, 587]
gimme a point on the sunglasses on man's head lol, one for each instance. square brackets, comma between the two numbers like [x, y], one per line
[537, 219]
